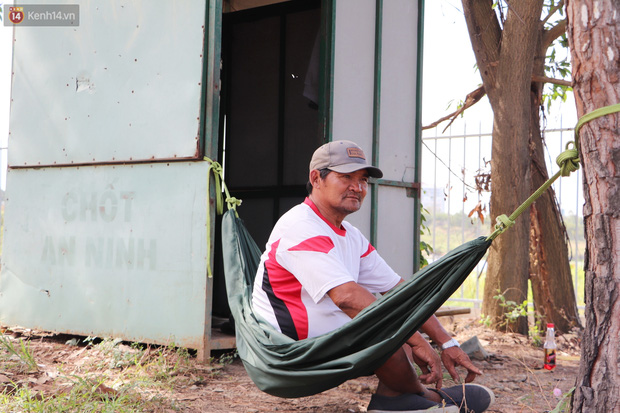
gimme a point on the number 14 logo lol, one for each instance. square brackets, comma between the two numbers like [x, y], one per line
[16, 14]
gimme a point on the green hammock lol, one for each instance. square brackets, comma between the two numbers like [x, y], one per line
[284, 367]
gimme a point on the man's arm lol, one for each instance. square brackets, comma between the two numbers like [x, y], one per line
[351, 298]
[451, 356]
[433, 328]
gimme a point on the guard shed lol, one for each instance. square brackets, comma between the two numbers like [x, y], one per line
[105, 230]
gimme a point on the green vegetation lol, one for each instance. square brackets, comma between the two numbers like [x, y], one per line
[19, 356]
[466, 295]
[425, 248]
[446, 232]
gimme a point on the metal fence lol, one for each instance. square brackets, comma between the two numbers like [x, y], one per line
[455, 167]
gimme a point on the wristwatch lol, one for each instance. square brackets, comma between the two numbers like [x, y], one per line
[451, 343]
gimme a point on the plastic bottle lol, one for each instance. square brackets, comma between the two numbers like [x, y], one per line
[550, 347]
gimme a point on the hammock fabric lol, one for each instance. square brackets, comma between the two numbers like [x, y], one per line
[283, 367]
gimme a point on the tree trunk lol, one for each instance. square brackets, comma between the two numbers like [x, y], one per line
[550, 275]
[593, 30]
[505, 59]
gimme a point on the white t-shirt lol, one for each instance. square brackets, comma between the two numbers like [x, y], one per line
[306, 256]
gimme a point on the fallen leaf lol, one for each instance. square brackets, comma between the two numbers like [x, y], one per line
[104, 390]
[43, 379]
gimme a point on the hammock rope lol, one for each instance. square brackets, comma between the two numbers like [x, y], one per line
[232, 202]
[568, 161]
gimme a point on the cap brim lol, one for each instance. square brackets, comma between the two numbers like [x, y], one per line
[352, 167]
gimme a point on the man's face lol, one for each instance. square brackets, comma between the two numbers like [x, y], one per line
[343, 193]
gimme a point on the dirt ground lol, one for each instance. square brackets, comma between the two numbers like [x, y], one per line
[513, 371]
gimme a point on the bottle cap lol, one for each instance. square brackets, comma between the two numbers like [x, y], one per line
[550, 325]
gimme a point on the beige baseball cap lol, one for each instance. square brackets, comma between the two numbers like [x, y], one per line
[343, 157]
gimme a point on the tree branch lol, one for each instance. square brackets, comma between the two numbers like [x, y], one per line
[471, 99]
[545, 79]
[553, 33]
[514, 11]
[474, 97]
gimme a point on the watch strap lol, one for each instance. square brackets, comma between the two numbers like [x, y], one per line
[450, 343]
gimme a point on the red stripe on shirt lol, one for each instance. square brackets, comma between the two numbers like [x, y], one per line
[288, 289]
[370, 249]
[321, 243]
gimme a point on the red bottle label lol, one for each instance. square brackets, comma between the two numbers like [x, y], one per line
[549, 358]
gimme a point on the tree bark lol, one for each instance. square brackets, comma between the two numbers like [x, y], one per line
[594, 40]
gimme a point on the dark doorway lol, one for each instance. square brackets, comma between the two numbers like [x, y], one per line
[270, 124]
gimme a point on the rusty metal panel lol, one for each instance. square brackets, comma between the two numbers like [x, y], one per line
[125, 85]
[115, 251]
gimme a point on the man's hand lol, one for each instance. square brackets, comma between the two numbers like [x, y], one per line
[454, 356]
[428, 360]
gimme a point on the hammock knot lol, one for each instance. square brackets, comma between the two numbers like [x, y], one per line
[503, 223]
[233, 203]
[217, 168]
[568, 161]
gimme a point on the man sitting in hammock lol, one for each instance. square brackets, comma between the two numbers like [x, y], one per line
[319, 271]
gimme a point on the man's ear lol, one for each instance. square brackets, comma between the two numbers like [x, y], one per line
[315, 177]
